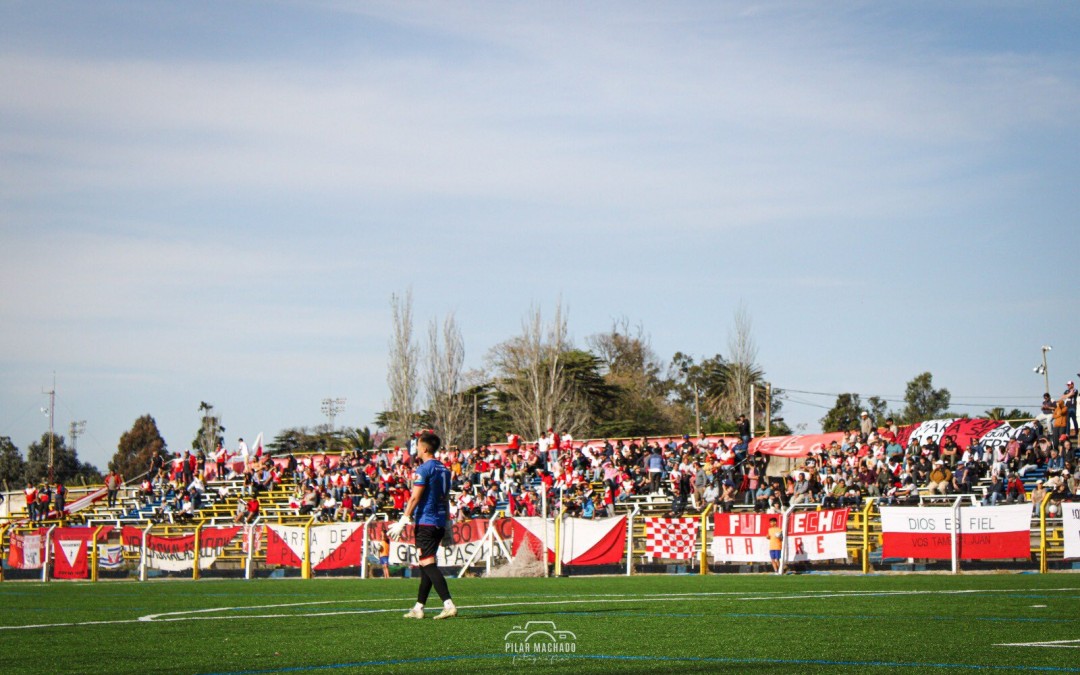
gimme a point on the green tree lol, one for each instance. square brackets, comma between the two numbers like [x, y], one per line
[137, 447]
[845, 413]
[12, 464]
[633, 372]
[923, 401]
[492, 422]
[66, 465]
[1000, 413]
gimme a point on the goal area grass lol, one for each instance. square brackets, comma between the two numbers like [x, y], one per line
[812, 623]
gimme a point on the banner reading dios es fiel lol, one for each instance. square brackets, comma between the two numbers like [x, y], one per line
[986, 532]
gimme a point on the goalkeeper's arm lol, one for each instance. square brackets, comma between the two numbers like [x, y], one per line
[406, 518]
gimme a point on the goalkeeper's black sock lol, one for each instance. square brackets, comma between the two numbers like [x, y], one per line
[425, 586]
[437, 580]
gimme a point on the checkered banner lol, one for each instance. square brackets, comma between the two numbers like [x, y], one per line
[671, 538]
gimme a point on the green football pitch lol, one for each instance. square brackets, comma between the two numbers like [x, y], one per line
[733, 623]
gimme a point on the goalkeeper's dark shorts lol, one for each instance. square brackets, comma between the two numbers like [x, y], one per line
[428, 538]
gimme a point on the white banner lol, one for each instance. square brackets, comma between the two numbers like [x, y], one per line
[816, 535]
[1070, 523]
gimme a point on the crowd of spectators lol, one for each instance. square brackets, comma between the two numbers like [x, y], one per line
[592, 479]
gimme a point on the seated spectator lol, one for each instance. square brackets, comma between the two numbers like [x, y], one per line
[728, 494]
[940, 479]
[961, 479]
[1014, 490]
[186, 514]
[762, 496]
[995, 492]
[801, 491]
[835, 497]
[711, 495]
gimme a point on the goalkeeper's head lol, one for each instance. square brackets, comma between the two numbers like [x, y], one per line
[428, 443]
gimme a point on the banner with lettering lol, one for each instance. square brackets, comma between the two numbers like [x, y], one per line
[986, 532]
[811, 535]
[26, 551]
[1070, 523]
[331, 546]
[468, 536]
[742, 537]
[176, 553]
[816, 535]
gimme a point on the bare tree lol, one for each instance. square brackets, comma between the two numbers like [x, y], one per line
[402, 374]
[742, 362]
[531, 372]
[444, 381]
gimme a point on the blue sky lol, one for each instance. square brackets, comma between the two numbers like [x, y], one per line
[213, 201]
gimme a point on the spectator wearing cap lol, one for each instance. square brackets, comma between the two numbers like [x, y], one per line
[961, 479]
[940, 478]
[866, 426]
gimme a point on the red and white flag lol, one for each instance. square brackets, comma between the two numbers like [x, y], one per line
[600, 541]
[671, 538]
[285, 545]
[331, 546]
[986, 532]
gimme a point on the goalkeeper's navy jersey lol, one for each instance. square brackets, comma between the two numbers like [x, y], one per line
[434, 504]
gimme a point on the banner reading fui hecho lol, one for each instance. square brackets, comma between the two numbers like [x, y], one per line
[177, 553]
[811, 535]
[986, 532]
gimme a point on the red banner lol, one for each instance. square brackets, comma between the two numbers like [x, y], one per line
[26, 550]
[177, 553]
[71, 547]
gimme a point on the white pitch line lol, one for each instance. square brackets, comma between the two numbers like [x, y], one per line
[186, 614]
[856, 594]
[1058, 644]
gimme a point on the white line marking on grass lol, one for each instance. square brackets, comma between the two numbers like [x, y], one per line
[187, 615]
[205, 614]
[815, 595]
[1052, 644]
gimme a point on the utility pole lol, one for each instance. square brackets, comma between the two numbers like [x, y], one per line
[752, 420]
[768, 409]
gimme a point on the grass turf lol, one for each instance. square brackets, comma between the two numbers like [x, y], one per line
[734, 623]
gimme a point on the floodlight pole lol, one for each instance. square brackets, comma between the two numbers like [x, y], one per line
[331, 407]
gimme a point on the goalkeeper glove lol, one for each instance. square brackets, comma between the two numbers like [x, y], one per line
[397, 528]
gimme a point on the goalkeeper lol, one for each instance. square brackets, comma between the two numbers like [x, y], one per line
[430, 501]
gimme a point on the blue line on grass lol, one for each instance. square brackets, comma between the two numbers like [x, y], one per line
[673, 659]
